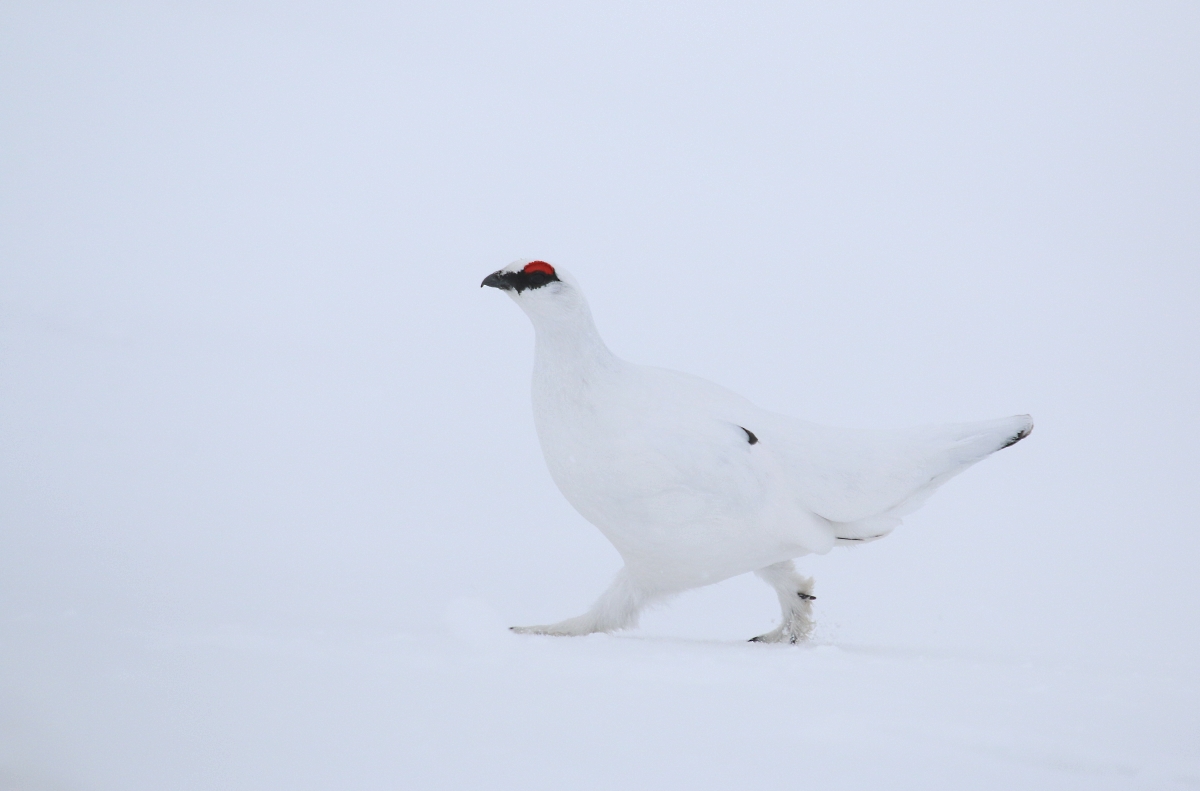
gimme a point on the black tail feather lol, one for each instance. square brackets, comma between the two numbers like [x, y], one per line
[1020, 435]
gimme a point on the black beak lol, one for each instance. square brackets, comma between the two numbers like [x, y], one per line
[496, 280]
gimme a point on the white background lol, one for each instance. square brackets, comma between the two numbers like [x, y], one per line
[269, 486]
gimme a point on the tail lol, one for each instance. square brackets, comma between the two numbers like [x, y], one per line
[958, 447]
[966, 444]
[1024, 431]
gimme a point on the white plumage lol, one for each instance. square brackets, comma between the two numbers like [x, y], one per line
[693, 484]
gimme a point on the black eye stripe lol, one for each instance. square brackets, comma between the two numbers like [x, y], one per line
[519, 281]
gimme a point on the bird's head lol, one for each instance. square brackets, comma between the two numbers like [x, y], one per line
[541, 290]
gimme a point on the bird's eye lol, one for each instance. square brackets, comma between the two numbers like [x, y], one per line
[539, 266]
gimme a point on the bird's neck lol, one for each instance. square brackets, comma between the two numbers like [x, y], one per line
[569, 350]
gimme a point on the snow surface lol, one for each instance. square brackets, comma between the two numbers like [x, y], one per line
[474, 707]
[270, 492]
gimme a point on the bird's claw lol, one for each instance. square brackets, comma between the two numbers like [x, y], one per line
[777, 637]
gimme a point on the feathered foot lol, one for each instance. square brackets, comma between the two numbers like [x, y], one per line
[572, 627]
[617, 608]
[795, 599]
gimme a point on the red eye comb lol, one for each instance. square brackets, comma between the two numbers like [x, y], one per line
[539, 266]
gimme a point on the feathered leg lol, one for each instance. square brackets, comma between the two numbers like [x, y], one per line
[617, 608]
[795, 597]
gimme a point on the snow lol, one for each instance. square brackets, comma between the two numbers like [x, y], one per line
[469, 707]
[270, 492]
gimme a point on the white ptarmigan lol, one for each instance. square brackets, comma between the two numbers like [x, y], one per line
[693, 484]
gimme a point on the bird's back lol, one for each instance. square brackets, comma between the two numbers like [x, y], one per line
[689, 450]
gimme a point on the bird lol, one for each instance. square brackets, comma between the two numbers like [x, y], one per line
[693, 484]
